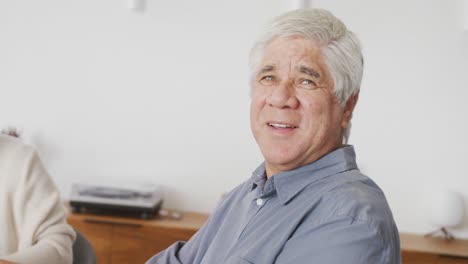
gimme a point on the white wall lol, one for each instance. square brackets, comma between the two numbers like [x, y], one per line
[162, 95]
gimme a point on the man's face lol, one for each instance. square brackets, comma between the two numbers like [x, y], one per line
[294, 115]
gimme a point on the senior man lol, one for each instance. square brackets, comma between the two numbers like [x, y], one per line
[308, 202]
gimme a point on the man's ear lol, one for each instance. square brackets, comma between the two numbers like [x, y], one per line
[348, 109]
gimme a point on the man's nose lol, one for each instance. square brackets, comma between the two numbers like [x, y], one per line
[283, 96]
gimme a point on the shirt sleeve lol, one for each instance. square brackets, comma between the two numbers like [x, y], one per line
[40, 215]
[193, 251]
[169, 255]
[188, 252]
[342, 240]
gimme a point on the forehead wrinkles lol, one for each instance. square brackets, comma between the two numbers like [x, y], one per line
[287, 54]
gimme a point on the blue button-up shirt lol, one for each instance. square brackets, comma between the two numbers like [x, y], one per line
[326, 212]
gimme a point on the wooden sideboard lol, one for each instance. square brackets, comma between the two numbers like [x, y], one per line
[126, 240]
[417, 249]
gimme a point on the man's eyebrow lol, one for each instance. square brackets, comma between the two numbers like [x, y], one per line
[266, 68]
[309, 71]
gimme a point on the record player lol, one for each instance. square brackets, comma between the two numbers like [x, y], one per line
[133, 200]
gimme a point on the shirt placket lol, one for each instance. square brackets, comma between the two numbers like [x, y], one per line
[257, 202]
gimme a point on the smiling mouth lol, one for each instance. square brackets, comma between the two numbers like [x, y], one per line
[278, 125]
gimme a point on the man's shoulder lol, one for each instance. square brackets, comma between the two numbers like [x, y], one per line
[353, 199]
[354, 195]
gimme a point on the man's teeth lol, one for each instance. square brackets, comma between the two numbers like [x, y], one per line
[280, 125]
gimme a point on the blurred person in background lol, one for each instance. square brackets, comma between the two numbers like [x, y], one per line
[33, 227]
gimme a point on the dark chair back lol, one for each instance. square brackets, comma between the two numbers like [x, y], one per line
[83, 251]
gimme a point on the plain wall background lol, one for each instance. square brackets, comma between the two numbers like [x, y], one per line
[161, 95]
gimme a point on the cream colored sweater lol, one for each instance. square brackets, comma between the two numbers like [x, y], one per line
[33, 226]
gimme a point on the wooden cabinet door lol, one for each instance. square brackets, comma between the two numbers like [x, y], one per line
[98, 234]
[428, 258]
[137, 244]
[452, 260]
[418, 258]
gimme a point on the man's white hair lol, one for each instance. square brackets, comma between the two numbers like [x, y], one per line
[340, 48]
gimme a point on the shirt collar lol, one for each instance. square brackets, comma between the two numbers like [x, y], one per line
[258, 178]
[289, 183]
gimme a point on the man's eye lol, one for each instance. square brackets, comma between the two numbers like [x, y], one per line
[267, 79]
[308, 84]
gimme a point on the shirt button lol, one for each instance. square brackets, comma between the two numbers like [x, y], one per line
[259, 201]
